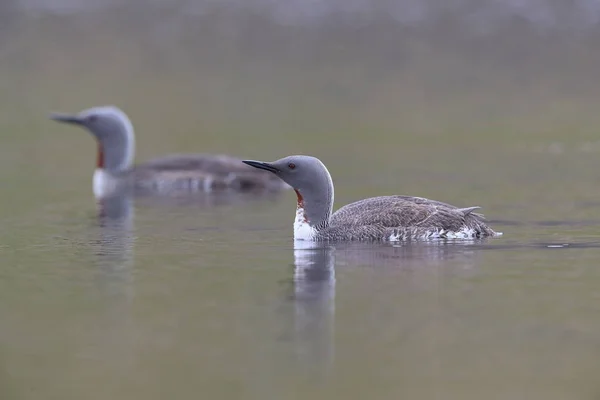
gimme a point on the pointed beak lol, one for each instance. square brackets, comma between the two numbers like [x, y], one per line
[261, 165]
[66, 118]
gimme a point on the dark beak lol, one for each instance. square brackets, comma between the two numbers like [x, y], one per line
[261, 165]
[67, 118]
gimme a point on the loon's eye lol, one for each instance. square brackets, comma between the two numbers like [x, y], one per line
[92, 118]
[291, 165]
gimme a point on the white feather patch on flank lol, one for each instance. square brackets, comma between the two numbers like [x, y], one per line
[207, 184]
[104, 184]
[395, 237]
[465, 233]
[302, 230]
[230, 178]
[408, 234]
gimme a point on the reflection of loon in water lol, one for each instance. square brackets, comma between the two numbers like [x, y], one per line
[115, 235]
[113, 251]
[407, 256]
[314, 305]
[314, 286]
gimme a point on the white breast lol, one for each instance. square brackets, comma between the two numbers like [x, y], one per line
[104, 183]
[302, 230]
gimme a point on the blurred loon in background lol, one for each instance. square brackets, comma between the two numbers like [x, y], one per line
[116, 173]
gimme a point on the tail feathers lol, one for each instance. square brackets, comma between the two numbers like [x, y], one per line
[468, 210]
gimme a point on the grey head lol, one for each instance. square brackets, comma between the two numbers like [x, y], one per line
[310, 179]
[112, 129]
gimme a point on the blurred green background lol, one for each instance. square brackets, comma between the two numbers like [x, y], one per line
[479, 88]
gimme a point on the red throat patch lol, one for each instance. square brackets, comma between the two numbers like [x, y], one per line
[300, 199]
[300, 204]
[100, 159]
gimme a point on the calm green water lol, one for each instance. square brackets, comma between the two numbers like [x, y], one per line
[211, 299]
[207, 297]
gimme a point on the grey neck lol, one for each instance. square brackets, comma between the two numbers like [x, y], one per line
[317, 200]
[116, 143]
[117, 152]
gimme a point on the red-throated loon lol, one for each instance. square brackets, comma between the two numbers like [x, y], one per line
[387, 218]
[115, 171]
